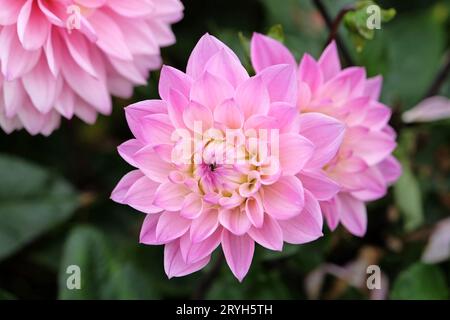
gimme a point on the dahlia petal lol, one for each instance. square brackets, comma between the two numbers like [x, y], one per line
[331, 212]
[374, 185]
[90, 89]
[10, 11]
[329, 61]
[229, 114]
[269, 235]
[79, 50]
[295, 152]
[235, 220]
[130, 8]
[140, 41]
[197, 114]
[52, 122]
[14, 97]
[281, 83]
[172, 78]
[305, 227]
[151, 164]
[373, 87]
[164, 151]
[174, 264]
[285, 115]
[355, 111]
[16, 61]
[316, 182]
[353, 214]
[438, 247]
[325, 133]
[310, 73]
[110, 37]
[252, 97]
[170, 196]
[238, 252]
[285, 198]
[32, 120]
[204, 226]
[171, 226]
[65, 102]
[93, 3]
[266, 52]
[391, 169]
[177, 103]
[141, 194]
[48, 9]
[224, 65]
[258, 121]
[41, 86]
[158, 129]
[119, 192]
[255, 210]
[129, 70]
[32, 27]
[375, 147]
[210, 90]
[347, 84]
[377, 116]
[194, 252]
[148, 230]
[206, 47]
[128, 149]
[85, 112]
[135, 112]
[192, 206]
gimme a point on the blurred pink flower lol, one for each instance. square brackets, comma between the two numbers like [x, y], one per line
[65, 57]
[196, 202]
[438, 247]
[431, 109]
[364, 166]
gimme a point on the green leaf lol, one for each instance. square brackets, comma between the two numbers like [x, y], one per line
[409, 198]
[86, 248]
[32, 201]
[412, 67]
[357, 21]
[276, 32]
[5, 295]
[105, 274]
[420, 282]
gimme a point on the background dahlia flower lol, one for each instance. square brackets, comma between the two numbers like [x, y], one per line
[269, 197]
[65, 57]
[364, 166]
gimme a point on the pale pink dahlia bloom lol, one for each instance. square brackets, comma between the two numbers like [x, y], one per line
[65, 57]
[364, 166]
[196, 201]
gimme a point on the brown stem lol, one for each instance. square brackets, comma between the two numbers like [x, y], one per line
[337, 21]
[333, 27]
[440, 78]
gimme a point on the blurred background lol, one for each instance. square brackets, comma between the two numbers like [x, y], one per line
[55, 209]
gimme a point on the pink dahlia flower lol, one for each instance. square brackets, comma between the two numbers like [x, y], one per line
[65, 57]
[364, 166]
[220, 161]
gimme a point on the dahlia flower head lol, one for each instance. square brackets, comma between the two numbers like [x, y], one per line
[225, 159]
[363, 167]
[66, 57]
